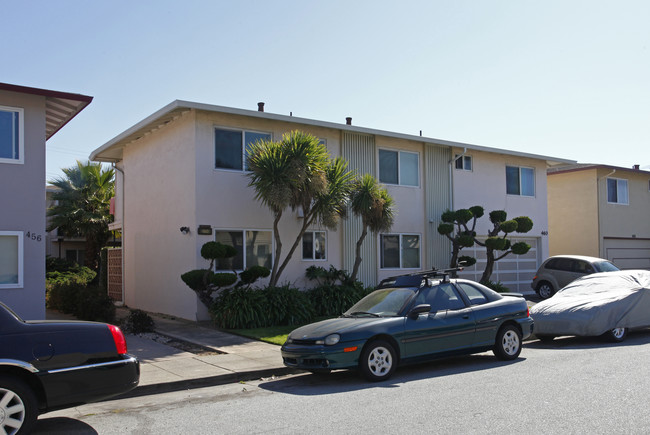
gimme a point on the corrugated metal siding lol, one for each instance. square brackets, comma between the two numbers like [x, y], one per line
[359, 151]
[438, 186]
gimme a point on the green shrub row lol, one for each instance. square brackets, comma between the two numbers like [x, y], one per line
[67, 290]
[242, 308]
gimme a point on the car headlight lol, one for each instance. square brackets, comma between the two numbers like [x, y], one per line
[332, 339]
[289, 340]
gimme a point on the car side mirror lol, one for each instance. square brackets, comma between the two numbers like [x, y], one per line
[419, 309]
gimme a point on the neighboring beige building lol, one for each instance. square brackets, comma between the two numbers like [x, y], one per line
[601, 211]
[182, 168]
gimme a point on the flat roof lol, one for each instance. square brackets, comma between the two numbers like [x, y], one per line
[60, 107]
[111, 151]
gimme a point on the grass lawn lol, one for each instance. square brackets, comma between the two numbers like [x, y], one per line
[271, 334]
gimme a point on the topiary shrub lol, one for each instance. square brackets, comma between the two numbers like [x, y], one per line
[496, 286]
[138, 322]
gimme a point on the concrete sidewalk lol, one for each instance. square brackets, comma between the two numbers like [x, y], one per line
[164, 368]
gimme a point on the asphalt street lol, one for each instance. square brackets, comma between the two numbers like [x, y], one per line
[572, 385]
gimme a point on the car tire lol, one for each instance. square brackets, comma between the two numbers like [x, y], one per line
[616, 335]
[545, 290]
[18, 406]
[508, 343]
[378, 360]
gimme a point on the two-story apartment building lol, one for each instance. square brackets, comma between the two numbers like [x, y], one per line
[28, 117]
[602, 211]
[181, 181]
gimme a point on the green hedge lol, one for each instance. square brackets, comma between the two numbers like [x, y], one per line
[241, 308]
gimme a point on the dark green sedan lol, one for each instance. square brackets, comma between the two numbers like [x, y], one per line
[409, 319]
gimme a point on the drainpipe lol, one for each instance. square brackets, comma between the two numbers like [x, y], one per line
[451, 187]
[601, 253]
[123, 233]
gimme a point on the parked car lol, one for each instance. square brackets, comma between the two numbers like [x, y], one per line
[560, 270]
[412, 318]
[48, 365]
[608, 304]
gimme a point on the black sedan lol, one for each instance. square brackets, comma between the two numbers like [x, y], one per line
[48, 365]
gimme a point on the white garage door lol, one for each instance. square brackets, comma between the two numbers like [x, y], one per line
[514, 271]
[628, 253]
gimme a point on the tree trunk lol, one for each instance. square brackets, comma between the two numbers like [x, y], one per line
[357, 258]
[489, 266]
[278, 250]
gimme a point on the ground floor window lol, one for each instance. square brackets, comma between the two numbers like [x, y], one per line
[11, 259]
[314, 245]
[253, 248]
[400, 251]
[76, 255]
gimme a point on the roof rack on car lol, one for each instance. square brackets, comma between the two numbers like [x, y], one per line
[417, 279]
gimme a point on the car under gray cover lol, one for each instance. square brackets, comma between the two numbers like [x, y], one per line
[595, 305]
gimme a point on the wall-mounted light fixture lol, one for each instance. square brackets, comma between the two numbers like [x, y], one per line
[185, 230]
[204, 230]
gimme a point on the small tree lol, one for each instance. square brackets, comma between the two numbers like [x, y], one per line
[297, 173]
[372, 202]
[457, 228]
[205, 282]
[497, 245]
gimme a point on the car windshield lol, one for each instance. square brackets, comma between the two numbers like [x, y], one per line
[384, 302]
[605, 266]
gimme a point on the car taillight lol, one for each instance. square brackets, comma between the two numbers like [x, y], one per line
[118, 338]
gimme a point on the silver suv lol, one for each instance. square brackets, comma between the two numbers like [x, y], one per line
[560, 270]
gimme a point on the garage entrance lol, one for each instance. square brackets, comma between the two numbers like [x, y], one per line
[628, 253]
[514, 271]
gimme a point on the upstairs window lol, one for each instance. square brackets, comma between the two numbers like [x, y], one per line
[520, 181]
[314, 245]
[463, 162]
[617, 191]
[11, 135]
[399, 167]
[11, 259]
[231, 146]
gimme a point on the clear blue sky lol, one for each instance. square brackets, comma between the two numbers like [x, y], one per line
[563, 78]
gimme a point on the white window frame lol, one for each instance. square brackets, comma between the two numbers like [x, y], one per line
[619, 183]
[401, 259]
[21, 136]
[520, 181]
[313, 251]
[244, 231]
[399, 163]
[463, 165]
[21, 271]
[243, 131]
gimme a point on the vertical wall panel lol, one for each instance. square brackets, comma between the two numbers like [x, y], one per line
[359, 151]
[438, 197]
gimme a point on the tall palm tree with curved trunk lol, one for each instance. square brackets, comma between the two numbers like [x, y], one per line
[83, 206]
[298, 173]
[372, 202]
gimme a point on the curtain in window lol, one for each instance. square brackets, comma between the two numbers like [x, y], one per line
[8, 259]
[409, 169]
[258, 249]
[527, 182]
[410, 251]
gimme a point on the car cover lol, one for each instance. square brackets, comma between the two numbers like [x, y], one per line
[595, 304]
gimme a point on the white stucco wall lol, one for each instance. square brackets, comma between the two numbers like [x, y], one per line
[485, 185]
[159, 198]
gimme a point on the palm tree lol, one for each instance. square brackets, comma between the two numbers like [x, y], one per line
[298, 173]
[82, 208]
[371, 201]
